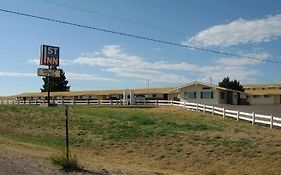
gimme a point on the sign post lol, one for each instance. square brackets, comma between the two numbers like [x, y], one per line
[66, 132]
[49, 56]
[48, 84]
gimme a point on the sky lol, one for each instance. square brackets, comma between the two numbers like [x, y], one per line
[94, 59]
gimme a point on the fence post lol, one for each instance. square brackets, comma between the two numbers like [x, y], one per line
[172, 102]
[156, 102]
[110, 102]
[62, 100]
[1, 102]
[204, 108]
[197, 107]
[223, 113]
[36, 101]
[73, 101]
[238, 116]
[271, 121]
[254, 118]
[184, 103]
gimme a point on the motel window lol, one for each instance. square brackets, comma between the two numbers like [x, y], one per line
[153, 95]
[207, 95]
[267, 96]
[190, 95]
[256, 96]
[222, 95]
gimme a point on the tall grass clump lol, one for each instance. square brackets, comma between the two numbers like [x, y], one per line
[67, 164]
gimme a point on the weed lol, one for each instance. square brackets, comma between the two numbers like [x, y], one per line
[67, 164]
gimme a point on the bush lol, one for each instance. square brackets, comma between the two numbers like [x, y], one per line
[67, 164]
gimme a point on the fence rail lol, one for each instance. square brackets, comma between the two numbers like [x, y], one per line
[254, 118]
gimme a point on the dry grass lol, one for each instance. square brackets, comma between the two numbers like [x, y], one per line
[151, 141]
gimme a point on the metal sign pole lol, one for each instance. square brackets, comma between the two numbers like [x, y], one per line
[48, 84]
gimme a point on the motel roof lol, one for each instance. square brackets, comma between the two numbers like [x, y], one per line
[264, 92]
[263, 89]
[204, 84]
[98, 92]
[262, 85]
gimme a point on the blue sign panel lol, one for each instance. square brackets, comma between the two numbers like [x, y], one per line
[49, 55]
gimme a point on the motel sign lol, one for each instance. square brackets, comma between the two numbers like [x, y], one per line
[49, 55]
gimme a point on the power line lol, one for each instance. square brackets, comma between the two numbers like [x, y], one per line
[139, 37]
[115, 17]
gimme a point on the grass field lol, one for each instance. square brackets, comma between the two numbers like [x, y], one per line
[145, 140]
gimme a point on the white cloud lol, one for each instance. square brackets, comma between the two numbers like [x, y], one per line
[238, 32]
[63, 62]
[234, 61]
[16, 74]
[115, 60]
[236, 67]
[69, 75]
[87, 77]
[33, 61]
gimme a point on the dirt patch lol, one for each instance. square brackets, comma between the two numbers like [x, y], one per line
[26, 159]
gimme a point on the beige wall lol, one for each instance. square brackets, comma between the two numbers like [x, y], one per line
[273, 99]
[172, 96]
[277, 99]
[198, 89]
[221, 101]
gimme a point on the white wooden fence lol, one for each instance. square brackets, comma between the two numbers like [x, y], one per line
[254, 118]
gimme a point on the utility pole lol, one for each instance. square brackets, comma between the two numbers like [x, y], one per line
[66, 133]
[211, 80]
[148, 81]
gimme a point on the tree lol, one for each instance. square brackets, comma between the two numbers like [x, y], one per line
[56, 83]
[233, 84]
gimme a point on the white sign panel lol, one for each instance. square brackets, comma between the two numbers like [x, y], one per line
[48, 72]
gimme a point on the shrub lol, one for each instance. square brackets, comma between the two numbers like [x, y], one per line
[67, 164]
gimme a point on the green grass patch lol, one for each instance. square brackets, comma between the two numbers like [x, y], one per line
[52, 141]
[115, 124]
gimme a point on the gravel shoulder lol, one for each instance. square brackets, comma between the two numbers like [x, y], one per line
[26, 165]
[27, 159]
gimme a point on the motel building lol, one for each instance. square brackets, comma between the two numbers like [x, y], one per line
[120, 94]
[264, 93]
[195, 92]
